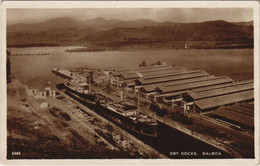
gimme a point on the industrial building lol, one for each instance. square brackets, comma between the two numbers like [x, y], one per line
[196, 89]
[127, 78]
[39, 90]
[189, 86]
[192, 96]
[175, 76]
[212, 97]
[214, 102]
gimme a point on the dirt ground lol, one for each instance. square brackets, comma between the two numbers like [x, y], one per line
[36, 133]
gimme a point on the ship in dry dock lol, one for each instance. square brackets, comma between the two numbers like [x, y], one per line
[80, 88]
[122, 113]
[127, 115]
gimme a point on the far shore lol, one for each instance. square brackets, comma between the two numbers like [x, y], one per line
[125, 46]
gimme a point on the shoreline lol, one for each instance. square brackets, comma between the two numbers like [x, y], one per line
[121, 46]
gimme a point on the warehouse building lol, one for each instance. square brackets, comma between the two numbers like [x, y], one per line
[176, 76]
[39, 90]
[128, 77]
[222, 86]
[209, 98]
[161, 73]
[189, 86]
[192, 96]
[152, 88]
[214, 102]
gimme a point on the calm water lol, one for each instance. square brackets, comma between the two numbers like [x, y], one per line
[236, 63]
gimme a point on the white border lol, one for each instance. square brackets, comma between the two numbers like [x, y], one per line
[129, 4]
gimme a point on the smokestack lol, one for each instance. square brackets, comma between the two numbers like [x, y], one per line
[121, 95]
[91, 76]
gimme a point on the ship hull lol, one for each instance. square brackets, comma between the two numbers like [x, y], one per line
[122, 121]
[128, 123]
[60, 74]
[86, 96]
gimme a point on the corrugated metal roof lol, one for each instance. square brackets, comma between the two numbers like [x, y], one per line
[130, 76]
[152, 87]
[159, 73]
[222, 85]
[235, 116]
[177, 76]
[210, 81]
[115, 73]
[225, 99]
[149, 71]
[221, 91]
[172, 74]
[140, 73]
[189, 80]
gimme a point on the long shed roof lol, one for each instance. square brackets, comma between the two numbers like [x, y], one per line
[225, 99]
[222, 86]
[130, 76]
[220, 91]
[210, 81]
[177, 76]
[160, 73]
[152, 87]
[141, 72]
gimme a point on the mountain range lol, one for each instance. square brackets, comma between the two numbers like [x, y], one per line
[68, 31]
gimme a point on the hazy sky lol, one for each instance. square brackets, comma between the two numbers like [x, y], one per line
[157, 14]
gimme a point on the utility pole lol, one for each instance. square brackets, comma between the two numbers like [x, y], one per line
[172, 104]
[108, 88]
[89, 84]
[138, 102]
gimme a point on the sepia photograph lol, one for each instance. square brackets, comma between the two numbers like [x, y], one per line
[123, 80]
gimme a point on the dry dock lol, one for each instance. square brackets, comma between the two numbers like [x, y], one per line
[195, 95]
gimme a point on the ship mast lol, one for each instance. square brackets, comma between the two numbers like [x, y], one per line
[138, 102]
[89, 82]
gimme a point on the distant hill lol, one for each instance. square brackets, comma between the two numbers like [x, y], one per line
[58, 23]
[206, 31]
[98, 24]
[68, 31]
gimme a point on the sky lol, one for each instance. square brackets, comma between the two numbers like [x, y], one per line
[15, 16]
